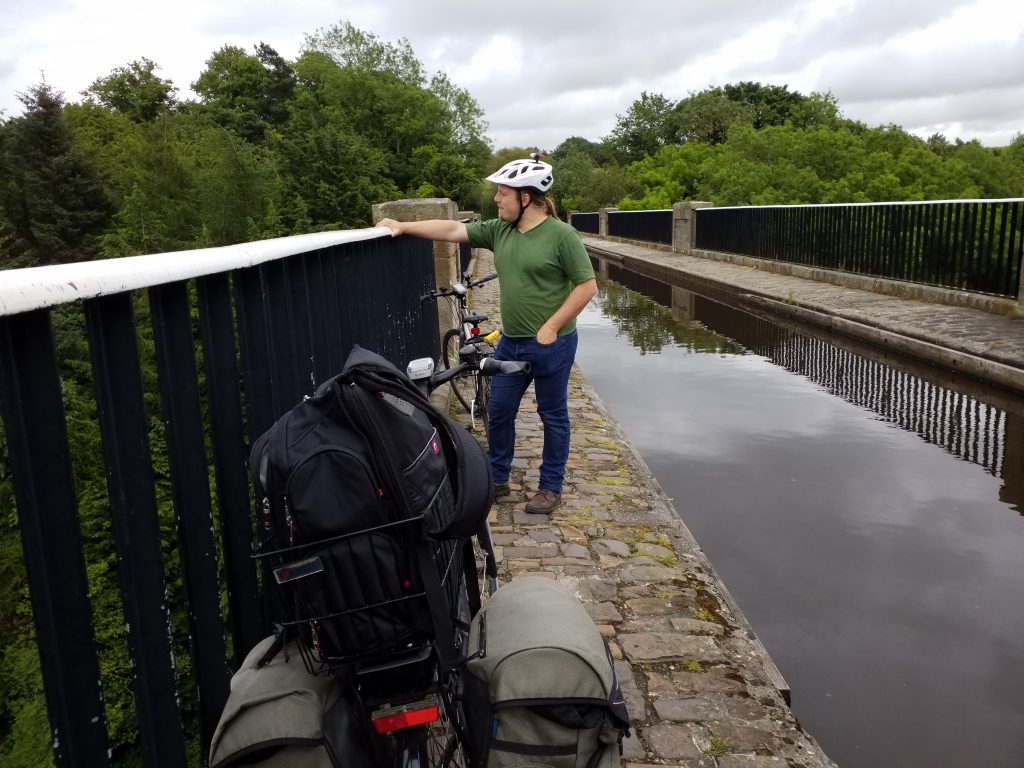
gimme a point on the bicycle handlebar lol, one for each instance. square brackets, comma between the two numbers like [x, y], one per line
[491, 367]
[454, 289]
[488, 367]
[482, 280]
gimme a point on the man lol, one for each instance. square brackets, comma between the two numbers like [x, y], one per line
[546, 280]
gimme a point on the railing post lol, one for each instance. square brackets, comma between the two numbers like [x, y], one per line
[602, 221]
[32, 408]
[684, 225]
[446, 255]
[1020, 287]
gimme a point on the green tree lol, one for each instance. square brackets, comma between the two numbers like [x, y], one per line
[444, 175]
[52, 203]
[600, 152]
[767, 104]
[135, 91]
[707, 116]
[137, 230]
[278, 87]
[817, 111]
[336, 174]
[234, 88]
[646, 127]
[350, 47]
[463, 123]
[582, 185]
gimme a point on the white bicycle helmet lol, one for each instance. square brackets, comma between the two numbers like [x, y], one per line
[524, 173]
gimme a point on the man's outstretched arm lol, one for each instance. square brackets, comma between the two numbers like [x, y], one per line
[432, 229]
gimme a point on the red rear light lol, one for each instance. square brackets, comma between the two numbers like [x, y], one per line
[396, 721]
[476, 331]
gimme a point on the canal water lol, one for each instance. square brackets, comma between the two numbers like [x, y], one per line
[866, 514]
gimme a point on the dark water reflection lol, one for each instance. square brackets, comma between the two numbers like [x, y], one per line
[864, 511]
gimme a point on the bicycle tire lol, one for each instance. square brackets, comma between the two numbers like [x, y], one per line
[443, 743]
[481, 397]
[450, 347]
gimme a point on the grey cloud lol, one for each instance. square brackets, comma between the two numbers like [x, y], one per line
[863, 24]
[984, 109]
[886, 74]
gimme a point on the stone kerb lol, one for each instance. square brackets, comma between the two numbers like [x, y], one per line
[684, 225]
[446, 255]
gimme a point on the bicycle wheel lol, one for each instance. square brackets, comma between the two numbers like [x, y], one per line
[450, 347]
[445, 745]
[481, 396]
[440, 744]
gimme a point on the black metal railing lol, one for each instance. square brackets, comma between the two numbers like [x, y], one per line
[586, 222]
[648, 226]
[961, 423]
[269, 329]
[971, 245]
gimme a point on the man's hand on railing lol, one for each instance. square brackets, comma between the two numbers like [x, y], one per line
[394, 226]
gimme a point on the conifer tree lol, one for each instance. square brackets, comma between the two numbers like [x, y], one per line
[52, 204]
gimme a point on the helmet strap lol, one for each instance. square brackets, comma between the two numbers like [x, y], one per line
[522, 209]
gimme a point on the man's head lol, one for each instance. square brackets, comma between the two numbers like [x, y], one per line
[522, 183]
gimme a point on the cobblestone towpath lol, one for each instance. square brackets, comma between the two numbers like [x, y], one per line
[700, 688]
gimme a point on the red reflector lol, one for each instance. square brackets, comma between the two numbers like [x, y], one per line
[476, 331]
[397, 722]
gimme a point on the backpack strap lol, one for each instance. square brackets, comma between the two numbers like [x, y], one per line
[368, 424]
[472, 481]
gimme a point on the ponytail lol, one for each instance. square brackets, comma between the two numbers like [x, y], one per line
[538, 198]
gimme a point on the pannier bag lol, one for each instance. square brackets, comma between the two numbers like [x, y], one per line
[540, 685]
[274, 714]
[349, 482]
[279, 715]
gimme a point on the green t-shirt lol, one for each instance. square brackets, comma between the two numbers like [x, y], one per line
[536, 270]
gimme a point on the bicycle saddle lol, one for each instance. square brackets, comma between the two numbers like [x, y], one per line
[473, 317]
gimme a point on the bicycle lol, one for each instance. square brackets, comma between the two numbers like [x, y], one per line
[465, 344]
[400, 707]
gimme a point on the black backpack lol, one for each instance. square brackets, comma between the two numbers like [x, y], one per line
[366, 494]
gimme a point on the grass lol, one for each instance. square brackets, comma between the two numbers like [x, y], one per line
[703, 614]
[717, 748]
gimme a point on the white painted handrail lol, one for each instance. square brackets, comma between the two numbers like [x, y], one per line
[22, 290]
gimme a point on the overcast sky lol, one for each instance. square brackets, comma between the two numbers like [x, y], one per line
[544, 72]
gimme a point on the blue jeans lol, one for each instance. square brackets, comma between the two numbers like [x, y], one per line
[551, 365]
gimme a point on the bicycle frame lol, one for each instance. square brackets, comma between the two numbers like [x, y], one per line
[471, 346]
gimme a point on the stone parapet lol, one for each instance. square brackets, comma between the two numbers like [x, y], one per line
[684, 225]
[602, 221]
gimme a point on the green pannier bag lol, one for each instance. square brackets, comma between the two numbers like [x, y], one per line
[278, 715]
[540, 687]
[275, 712]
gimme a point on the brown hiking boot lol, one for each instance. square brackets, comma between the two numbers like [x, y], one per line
[544, 502]
[501, 490]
